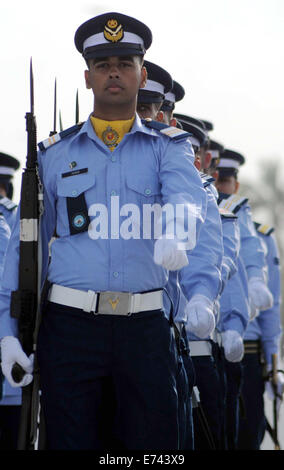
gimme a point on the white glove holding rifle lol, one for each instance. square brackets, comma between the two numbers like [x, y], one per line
[12, 352]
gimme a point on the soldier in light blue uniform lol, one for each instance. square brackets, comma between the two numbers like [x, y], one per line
[150, 105]
[8, 166]
[104, 325]
[248, 287]
[206, 260]
[199, 282]
[262, 339]
[10, 398]
[231, 243]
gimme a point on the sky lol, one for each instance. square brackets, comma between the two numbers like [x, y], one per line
[227, 54]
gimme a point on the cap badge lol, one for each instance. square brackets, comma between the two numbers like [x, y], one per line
[110, 136]
[113, 31]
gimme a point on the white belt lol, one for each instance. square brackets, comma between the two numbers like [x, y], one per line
[200, 348]
[107, 303]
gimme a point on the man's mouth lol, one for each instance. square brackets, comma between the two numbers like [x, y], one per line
[113, 87]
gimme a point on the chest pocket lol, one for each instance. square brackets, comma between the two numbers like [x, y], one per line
[146, 188]
[72, 189]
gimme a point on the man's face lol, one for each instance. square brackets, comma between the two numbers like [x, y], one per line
[115, 80]
[227, 185]
[205, 158]
[147, 110]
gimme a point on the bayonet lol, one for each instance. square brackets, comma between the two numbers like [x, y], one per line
[77, 108]
[54, 131]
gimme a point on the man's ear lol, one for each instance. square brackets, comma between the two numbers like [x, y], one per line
[160, 116]
[237, 186]
[88, 86]
[144, 76]
[207, 160]
[197, 162]
[173, 122]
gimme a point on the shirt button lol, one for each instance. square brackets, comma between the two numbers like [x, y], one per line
[147, 191]
[113, 193]
[115, 274]
[74, 193]
[113, 158]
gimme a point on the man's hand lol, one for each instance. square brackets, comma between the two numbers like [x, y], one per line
[168, 253]
[200, 316]
[12, 352]
[233, 345]
[259, 294]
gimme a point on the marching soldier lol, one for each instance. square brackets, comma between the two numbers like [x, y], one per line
[238, 300]
[261, 340]
[104, 324]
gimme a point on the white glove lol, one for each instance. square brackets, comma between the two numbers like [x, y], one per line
[280, 388]
[11, 352]
[260, 295]
[200, 316]
[253, 311]
[233, 345]
[168, 254]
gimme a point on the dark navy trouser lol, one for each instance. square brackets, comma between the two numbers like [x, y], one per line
[234, 376]
[210, 390]
[98, 369]
[187, 434]
[252, 425]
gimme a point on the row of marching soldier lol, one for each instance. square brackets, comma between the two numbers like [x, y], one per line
[150, 338]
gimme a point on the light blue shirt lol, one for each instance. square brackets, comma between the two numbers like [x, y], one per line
[10, 395]
[267, 325]
[147, 167]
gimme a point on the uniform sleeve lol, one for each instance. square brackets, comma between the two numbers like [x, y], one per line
[270, 320]
[203, 273]
[234, 307]
[251, 250]
[10, 281]
[182, 187]
[231, 242]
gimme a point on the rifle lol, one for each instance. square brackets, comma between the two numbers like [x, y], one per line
[274, 385]
[25, 301]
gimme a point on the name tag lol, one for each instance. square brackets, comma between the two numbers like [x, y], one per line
[74, 173]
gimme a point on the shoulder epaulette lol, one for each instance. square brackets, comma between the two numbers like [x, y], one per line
[7, 203]
[53, 139]
[172, 132]
[206, 179]
[233, 203]
[225, 214]
[264, 228]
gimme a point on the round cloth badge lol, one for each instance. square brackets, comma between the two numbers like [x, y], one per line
[78, 221]
[110, 137]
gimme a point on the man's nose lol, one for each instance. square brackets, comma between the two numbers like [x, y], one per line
[114, 71]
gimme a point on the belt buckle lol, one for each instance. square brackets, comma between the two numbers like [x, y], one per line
[114, 303]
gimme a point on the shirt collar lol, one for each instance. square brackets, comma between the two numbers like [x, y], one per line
[138, 126]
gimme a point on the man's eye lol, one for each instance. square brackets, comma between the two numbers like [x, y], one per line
[101, 65]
